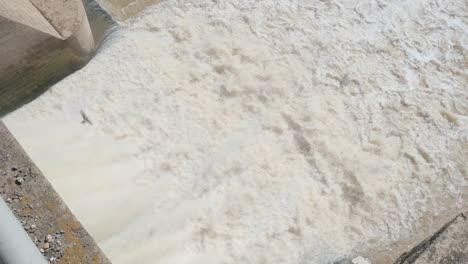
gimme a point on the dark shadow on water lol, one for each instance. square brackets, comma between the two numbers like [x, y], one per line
[25, 82]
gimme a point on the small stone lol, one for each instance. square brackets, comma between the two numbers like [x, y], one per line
[41, 250]
[19, 181]
[52, 259]
[49, 238]
[8, 200]
[33, 226]
[46, 246]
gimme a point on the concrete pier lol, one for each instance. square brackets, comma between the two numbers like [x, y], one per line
[65, 20]
[41, 41]
[42, 213]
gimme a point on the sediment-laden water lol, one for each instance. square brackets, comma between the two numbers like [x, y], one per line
[262, 131]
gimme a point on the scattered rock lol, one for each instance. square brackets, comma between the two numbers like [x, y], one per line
[49, 238]
[19, 181]
[34, 203]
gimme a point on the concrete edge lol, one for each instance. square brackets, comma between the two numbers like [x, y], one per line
[43, 214]
[448, 245]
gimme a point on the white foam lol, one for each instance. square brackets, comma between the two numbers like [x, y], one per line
[261, 131]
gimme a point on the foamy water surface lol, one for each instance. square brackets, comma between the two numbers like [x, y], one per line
[263, 131]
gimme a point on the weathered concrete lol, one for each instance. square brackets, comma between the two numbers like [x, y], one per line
[38, 50]
[449, 245]
[29, 59]
[31, 28]
[63, 19]
[24, 12]
[49, 222]
[125, 9]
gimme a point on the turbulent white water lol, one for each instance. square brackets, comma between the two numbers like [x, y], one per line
[263, 131]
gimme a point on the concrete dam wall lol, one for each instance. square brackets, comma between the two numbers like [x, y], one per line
[41, 41]
[65, 20]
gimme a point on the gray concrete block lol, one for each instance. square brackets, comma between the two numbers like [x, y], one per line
[449, 245]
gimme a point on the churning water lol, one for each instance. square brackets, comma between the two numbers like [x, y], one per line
[268, 131]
